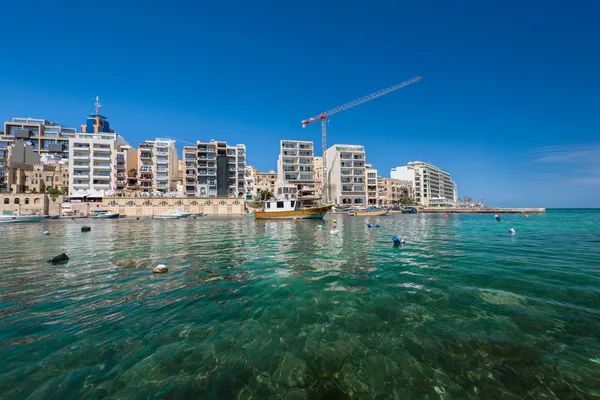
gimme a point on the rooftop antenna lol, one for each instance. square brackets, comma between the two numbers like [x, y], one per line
[97, 104]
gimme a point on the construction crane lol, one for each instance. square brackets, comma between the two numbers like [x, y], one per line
[324, 115]
[182, 141]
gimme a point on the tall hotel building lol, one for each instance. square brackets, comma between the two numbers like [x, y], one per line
[93, 158]
[432, 186]
[157, 166]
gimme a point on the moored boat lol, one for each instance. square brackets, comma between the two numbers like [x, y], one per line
[6, 219]
[106, 215]
[173, 214]
[290, 209]
[371, 212]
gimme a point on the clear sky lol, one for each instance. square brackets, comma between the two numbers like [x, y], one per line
[509, 103]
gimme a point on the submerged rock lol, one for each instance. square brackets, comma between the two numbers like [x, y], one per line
[59, 258]
[160, 269]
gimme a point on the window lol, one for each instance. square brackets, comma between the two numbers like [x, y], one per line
[280, 204]
[268, 205]
[130, 203]
[236, 202]
[163, 203]
[48, 179]
[6, 201]
[112, 203]
[179, 203]
[147, 203]
[26, 200]
[36, 201]
[194, 203]
[222, 202]
[16, 201]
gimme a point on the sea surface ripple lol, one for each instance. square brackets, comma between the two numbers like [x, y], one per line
[284, 309]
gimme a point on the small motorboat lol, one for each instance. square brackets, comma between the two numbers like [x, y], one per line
[105, 215]
[7, 219]
[173, 214]
[370, 212]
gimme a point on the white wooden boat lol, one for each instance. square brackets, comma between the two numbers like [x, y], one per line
[8, 219]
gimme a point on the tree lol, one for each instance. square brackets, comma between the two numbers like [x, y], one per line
[266, 195]
[55, 192]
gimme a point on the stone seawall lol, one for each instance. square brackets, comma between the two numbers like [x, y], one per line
[33, 203]
[145, 207]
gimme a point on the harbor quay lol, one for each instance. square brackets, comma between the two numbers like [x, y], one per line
[30, 203]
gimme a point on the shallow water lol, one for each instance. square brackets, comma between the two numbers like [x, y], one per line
[283, 309]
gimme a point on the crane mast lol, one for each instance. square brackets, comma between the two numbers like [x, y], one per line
[324, 115]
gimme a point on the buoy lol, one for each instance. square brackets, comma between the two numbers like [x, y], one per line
[526, 216]
[46, 233]
[512, 231]
[86, 228]
[376, 225]
[334, 231]
[59, 258]
[497, 217]
[334, 221]
[369, 226]
[446, 216]
[160, 269]
[397, 240]
[320, 226]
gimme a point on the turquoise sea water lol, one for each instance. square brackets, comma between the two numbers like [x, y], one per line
[283, 309]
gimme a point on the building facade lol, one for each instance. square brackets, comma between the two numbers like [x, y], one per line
[432, 186]
[296, 166]
[391, 191]
[127, 165]
[44, 136]
[265, 181]
[372, 192]
[93, 163]
[158, 166]
[347, 174]
[215, 169]
[318, 167]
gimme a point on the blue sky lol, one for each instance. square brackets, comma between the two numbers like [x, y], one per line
[509, 102]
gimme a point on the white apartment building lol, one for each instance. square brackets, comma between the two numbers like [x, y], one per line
[158, 166]
[372, 190]
[432, 186]
[93, 163]
[215, 169]
[347, 174]
[296, 166]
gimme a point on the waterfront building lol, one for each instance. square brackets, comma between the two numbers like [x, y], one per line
[190, 171]
[432, 186]
[158, 166]
[265, 181]
[318, 167]
[215, 169]
[372, 193]
[44, 136]
[25, 171]
[127, 165]
[250, 173]
[390, 191]
[347, 174]
[296, 166]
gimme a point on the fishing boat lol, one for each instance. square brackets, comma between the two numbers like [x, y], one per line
[8, 219]
[105, 215]
[288, 205]
[372, 211]
[290, 209]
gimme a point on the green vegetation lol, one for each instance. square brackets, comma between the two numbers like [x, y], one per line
[55, 192]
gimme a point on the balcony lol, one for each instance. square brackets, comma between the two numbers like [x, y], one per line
[81, 156]
[162, 161]
[101, 186]
[81, 166]
[81, 185]
[145, 155]
[100, 176]
[98, 149]
[98, 156]
[103, 167]
[82, 148]
[81, 176]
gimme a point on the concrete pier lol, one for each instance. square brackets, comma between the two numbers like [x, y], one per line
[473, 210]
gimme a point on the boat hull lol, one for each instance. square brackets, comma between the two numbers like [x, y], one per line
[370, 213]
[308, 213]
[13, 219]
[106, 216]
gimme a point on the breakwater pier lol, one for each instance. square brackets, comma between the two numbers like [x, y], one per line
[478, 210]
